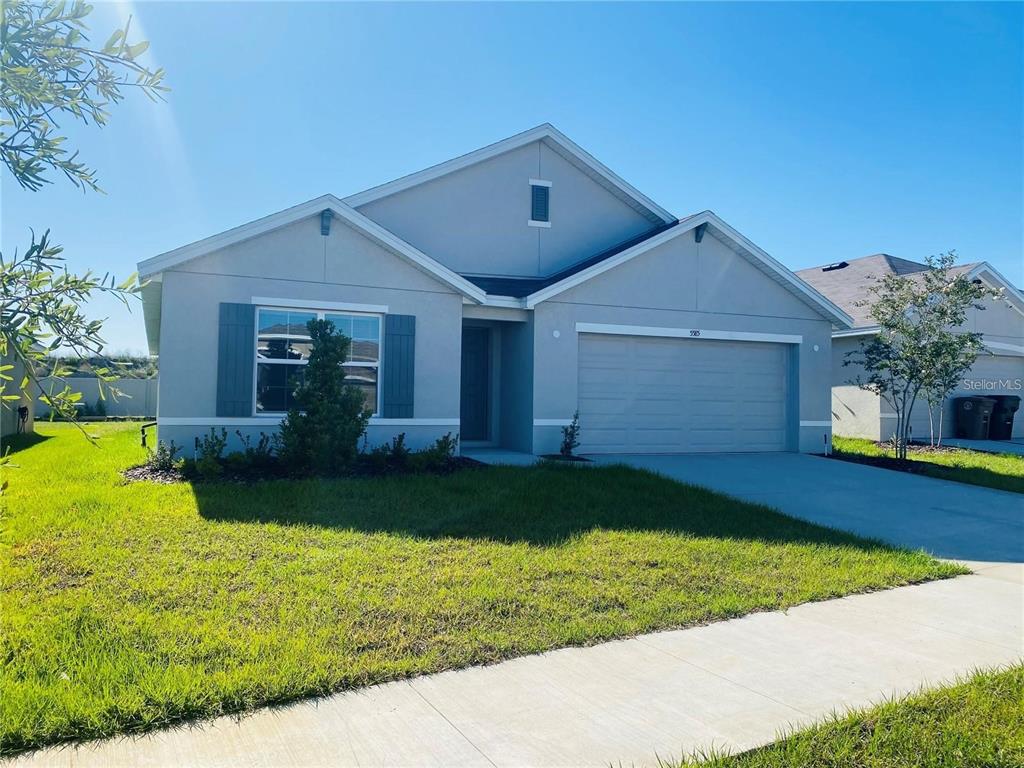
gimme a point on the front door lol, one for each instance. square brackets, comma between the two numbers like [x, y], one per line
[476, 383]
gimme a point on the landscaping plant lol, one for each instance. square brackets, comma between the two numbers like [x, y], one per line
[917, 348]
[320, 434]
[571, 436]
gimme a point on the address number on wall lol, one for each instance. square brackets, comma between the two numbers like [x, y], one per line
[694, 332]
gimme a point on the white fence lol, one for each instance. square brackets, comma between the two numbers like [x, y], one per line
[139, 397]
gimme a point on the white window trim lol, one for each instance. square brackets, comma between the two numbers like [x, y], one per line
[697, 334]
[265, 302]
[544, 224]
[260, 421]
[539, 183]
[320, 310]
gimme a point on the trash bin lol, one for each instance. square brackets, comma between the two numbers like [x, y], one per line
[1001, 423]
[973, 415]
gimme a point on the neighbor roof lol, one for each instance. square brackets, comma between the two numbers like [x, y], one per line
[850, 286]
[552, 138]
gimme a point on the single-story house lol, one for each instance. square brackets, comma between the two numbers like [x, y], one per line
[493, 296]
[999, 370]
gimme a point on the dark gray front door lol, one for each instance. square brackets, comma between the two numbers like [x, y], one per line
[476, 383]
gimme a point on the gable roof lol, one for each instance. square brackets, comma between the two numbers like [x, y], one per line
[391, 242]
[851, 285]
[552, 138]
[718, 229]
[520, 287]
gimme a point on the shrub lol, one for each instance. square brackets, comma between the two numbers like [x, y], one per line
[438, 458]
[321, 432]
[208, 456]
[253, 461]
[571, 436]
[162, 459]
[393, 456]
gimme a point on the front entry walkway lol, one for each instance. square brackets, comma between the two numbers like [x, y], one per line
[733, 684]
[500, 456]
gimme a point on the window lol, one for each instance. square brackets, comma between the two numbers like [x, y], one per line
[283, 347]
[540, 203]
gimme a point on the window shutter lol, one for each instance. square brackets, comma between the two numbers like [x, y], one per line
[399, 366]
[539, 202]
[236, 349]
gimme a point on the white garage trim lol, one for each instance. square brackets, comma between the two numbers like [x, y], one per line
[687, 333]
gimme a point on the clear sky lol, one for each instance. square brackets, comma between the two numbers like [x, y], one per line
[821, 131]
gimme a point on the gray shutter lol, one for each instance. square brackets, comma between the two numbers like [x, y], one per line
[399, 366]
[539, 203]
[236, 350]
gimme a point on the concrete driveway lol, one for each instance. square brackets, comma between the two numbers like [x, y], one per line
[948, 519]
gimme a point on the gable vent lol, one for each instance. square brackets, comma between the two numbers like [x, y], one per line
[540, 201]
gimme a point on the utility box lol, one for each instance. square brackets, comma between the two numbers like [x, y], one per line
[1001, 426]
[973, 416]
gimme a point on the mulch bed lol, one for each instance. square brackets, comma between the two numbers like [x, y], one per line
[560, 457]
[144, 473]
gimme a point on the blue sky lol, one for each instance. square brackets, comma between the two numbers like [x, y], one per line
[821, 131]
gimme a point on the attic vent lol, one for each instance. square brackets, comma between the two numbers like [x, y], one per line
[540, 203]
[835, 266]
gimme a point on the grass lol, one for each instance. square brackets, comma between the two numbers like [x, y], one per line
[1002, 471]
[976, 723]
[130, 606]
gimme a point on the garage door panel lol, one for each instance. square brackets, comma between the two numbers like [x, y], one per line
[659, 395]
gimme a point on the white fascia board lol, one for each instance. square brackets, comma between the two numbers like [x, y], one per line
[545, 132]
[794, 283]
[868, 330]
[696, 334]
[383, 237]
[1001, 346]
[979, 273]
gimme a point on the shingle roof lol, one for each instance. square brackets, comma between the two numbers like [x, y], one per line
[519, 287]
[850, 285]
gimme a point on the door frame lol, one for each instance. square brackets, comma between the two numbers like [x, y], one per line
[493, 437]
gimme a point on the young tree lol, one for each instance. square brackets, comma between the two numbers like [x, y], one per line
[919, 346]
[321, 432]
[49, 73]
[954, 354]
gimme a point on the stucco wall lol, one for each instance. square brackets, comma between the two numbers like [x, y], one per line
[298, 263]
[682, 284]
[475, 220]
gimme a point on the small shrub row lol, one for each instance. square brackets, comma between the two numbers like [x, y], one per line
[262, 459]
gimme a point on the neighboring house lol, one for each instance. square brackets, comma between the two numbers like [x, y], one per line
[9, 416]
[493, 296]
[998, 370]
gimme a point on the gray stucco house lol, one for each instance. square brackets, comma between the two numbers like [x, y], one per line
[493, 296]
[999, 370]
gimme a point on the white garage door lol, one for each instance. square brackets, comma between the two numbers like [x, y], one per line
[641, 394]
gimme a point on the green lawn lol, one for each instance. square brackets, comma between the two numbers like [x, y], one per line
[128, 606]
[1002, 471]
[978, 723]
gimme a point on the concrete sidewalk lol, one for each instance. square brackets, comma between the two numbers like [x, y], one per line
[732, 684]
